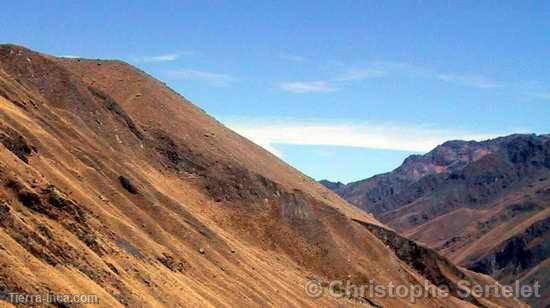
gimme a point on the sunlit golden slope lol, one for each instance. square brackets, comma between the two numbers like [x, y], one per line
[112, 184]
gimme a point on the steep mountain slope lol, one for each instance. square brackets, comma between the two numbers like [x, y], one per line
[112, 184]
[485, 205]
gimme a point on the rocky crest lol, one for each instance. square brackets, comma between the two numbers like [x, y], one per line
[482, 204]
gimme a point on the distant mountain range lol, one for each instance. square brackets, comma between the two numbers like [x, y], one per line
[485, 205]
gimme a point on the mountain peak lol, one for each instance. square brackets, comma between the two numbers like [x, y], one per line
[461, 196]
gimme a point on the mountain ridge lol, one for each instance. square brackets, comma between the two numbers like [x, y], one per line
[113, 184]
[475, 202]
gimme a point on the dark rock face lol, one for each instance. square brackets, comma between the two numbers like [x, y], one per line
[422, 259]
[334, 186]
[116, 110]
[128, 185]
[453, 196]
[15, 143]
[519, 253]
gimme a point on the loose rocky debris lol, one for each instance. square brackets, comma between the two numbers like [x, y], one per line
[172, 263]
[129, 248]
[115, 108]
[16, 143]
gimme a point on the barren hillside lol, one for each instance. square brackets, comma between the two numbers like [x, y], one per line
[112, 184]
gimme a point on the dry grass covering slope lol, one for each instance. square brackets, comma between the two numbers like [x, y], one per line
[113, 184]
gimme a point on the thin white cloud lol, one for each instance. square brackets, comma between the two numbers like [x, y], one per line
[474, 81]
[357, 74]
[70, 56]
[269, 132]
[292, 58]
[323, 86]
[159, 58]
[215, 79]
[414, 71]
[307, 87]
[343, 80]
[403, 68]
[387, 68]
[542, 95]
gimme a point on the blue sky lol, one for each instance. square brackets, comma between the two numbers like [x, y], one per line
[340, 89]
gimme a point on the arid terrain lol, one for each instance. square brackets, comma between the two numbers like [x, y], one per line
[112, 184]
[484, 205]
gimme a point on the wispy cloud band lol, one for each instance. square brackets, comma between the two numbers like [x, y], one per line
[70, 56]
[292, 58]
[167, 57]
[335, 84]
[215, 79]
[543, 96]
[474, 81]
[356, 74]
[306, 87]
[378, 70]
[386, 136]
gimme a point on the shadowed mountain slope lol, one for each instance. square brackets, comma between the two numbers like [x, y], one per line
[485, 205]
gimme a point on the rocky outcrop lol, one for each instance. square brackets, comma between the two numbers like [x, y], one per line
[16, 143]
[518, 253]
[423, 259]
[334, 186]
